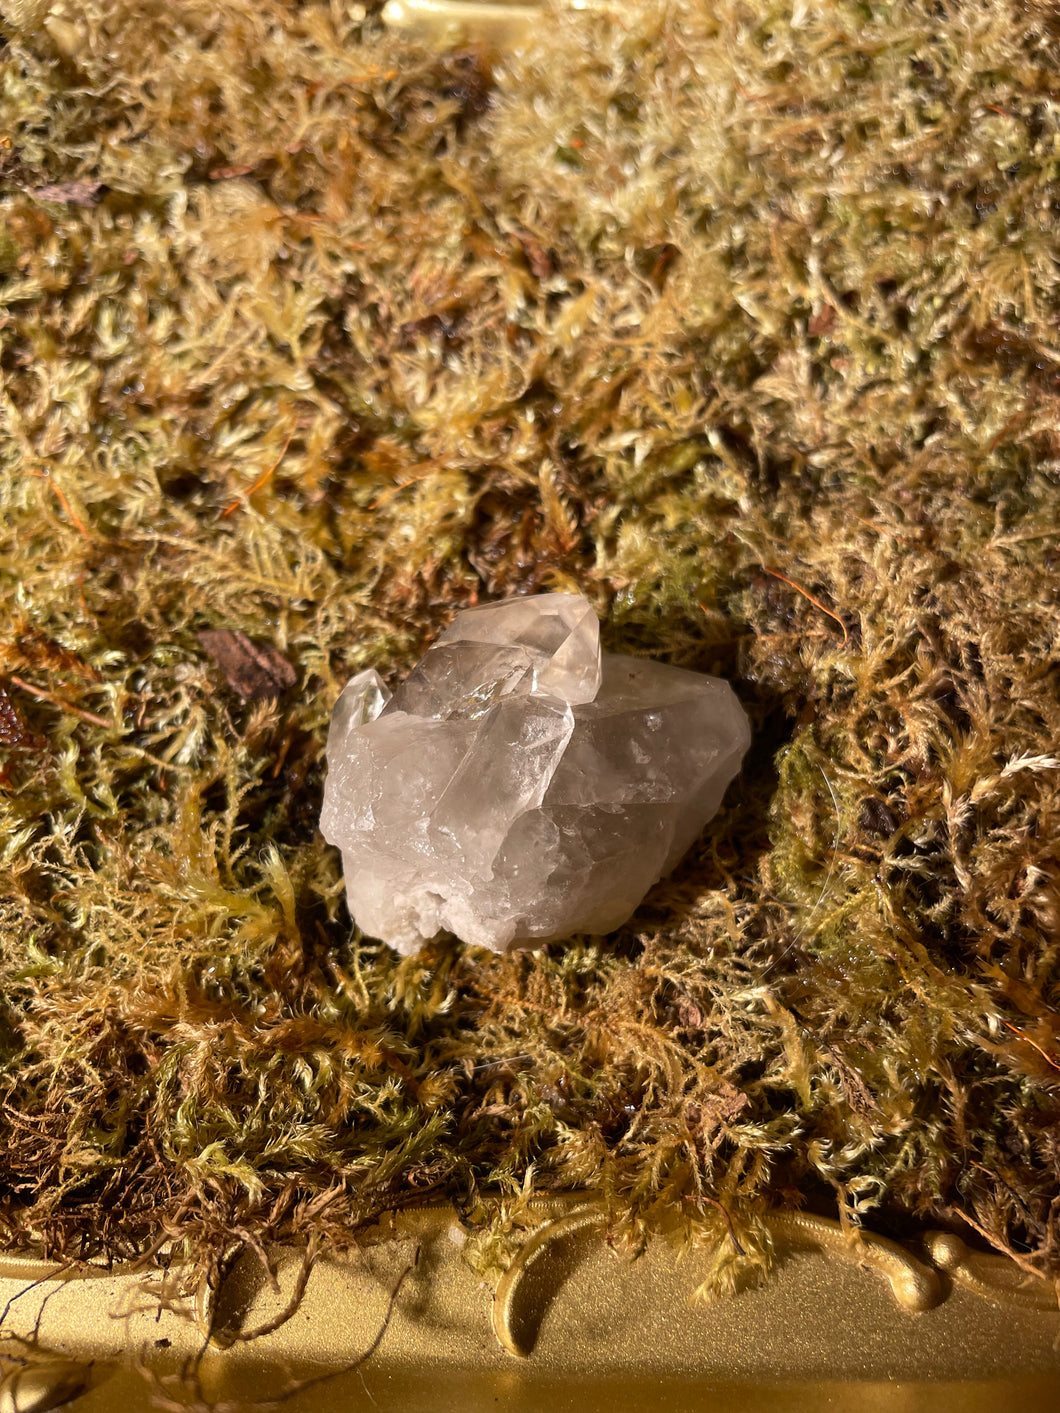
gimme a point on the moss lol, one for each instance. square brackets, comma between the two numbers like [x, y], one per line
[742, 323]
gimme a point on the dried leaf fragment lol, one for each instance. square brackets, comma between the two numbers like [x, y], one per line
[72, 193]
[253, 670]
[31, 649]
[13, 728]
[220, 174]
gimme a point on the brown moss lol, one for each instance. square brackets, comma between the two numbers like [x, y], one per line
[741, 326]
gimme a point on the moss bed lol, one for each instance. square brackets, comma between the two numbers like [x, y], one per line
[741, 319]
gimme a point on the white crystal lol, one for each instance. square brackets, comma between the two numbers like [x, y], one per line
[520, 786]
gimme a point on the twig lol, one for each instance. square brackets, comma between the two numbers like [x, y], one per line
[302, 1385]
[1024, 1036]
[886, 530]
[60, 1270]
[89, 716]
[740, 1250]
[1000, 1244]
[60, 496]
[262, 479]
[418, 472]
[267, 1327]
[155, 760]
[1025, 539]
[807, 595]
[1010, 426]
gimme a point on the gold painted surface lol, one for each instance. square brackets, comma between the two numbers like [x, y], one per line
[465, 21]
[598, 1332]
[992, 1277]
[915, 1286]
[461, 21]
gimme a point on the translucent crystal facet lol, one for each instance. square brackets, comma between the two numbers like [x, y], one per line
[519, 786]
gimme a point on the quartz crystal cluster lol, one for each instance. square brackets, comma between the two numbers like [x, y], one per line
[519, 786]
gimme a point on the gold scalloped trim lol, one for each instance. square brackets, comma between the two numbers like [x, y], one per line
[994, 1278]
[915, 1286]
[35, 1386]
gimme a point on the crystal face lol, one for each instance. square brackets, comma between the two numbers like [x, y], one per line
[520, 786]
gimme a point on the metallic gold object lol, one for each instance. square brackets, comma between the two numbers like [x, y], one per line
[915, 1286]
[446, 22]
[595, 1331]
[461, 21]
[505, 1319]
[38, 1387]
[992, 1277]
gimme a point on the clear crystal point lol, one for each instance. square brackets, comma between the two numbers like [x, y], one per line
[362, 699]
[519, 786]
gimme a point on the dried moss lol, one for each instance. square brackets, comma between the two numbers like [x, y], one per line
[741, 319]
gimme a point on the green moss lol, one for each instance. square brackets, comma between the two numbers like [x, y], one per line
[746, 328]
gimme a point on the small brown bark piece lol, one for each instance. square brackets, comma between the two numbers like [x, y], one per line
[253, 670]
[71, 193]
[13, 728]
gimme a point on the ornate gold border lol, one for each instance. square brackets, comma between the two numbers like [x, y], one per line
[407, 1318]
